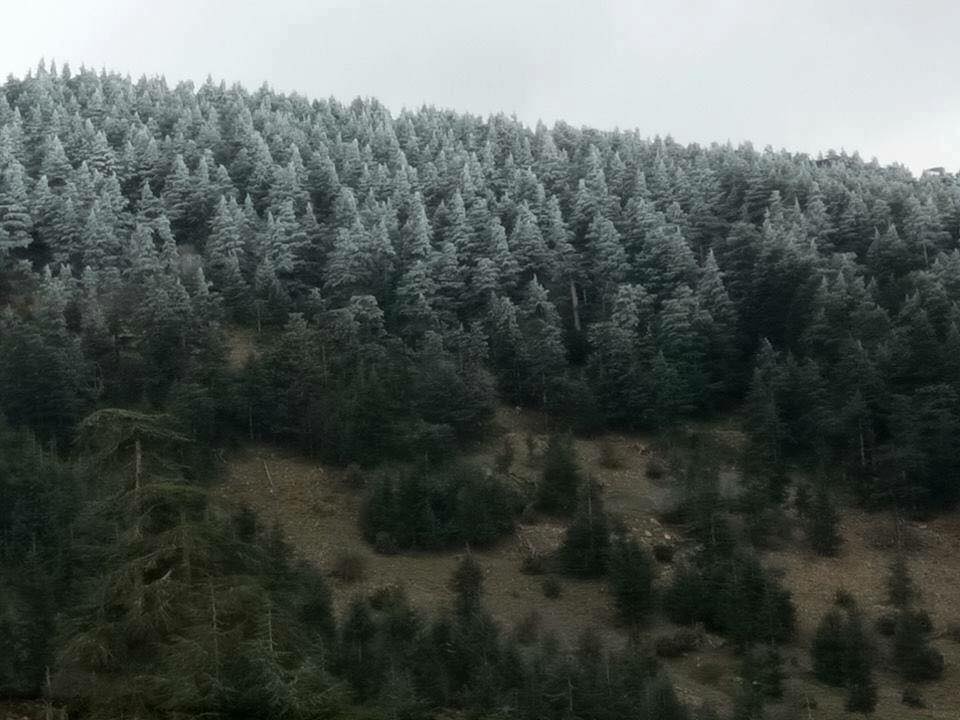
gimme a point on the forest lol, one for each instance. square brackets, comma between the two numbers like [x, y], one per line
[404, 276]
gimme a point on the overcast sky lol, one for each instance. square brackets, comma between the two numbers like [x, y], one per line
[881, 77]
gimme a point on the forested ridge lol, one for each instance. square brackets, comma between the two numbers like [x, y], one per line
[403, 274]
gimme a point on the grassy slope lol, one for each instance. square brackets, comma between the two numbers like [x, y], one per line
[318, 510]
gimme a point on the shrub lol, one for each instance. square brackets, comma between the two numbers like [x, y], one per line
[385, 544]
[609, 456]
[953, 632]
[349, 567]
[844, 599]
[801, 501]
[896, 535]
[655, 469]
[527, 630]
[528, 516]
[663, 553]
[387, 596]
[911, 697]
[861, 696]
[552, 588]
[353, 476]
[533, 563]
[887, 624]
[678, 643]
[530, 441]
[504, 458]
[767, 528]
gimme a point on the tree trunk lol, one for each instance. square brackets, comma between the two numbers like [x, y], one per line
[137, 470]
[575, 303]
[216, 640]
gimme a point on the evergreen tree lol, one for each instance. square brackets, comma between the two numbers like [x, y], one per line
[915, 659]
[631, 579]
[561, 481]
[542, 350]
[901, 591]
[528, 245]
[15, 216]
[857, 666]
[467, 585]
[822, 524]
[829, 648]
[585, 550]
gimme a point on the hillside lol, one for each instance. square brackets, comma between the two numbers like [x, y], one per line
[428, 330]
[318, 508]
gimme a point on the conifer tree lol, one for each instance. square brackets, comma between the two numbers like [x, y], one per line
[562, 480]
[631, 579]
[542, 349]
[901, 591]
[585, 550]
[528, 245]
[55, 164]
[467, 585]
[608, 261]
[15, 216]
[822, 524]
[415, 235]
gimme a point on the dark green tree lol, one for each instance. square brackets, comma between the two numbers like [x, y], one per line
[631, 575]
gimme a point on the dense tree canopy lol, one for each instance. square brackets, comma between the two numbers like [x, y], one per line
[639, 279]
[399, 274]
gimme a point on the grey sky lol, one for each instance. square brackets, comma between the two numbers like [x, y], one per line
[876, 76]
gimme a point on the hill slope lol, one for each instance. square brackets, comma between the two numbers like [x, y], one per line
[318, 509]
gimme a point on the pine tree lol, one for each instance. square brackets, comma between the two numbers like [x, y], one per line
[562, 479]
[724, 334]
[901, 591]
[828, 648]
[666, 262]
[15, 216]
[542, 349]
[915, 659]
[226, 236]
[586, 544]
[528, 244]
[858, 666]
[822, 524]
[504, 262]
[765, 420]
[415, 235]
[631, 579]
[608, 260]
[55, 164]
[467, 585]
